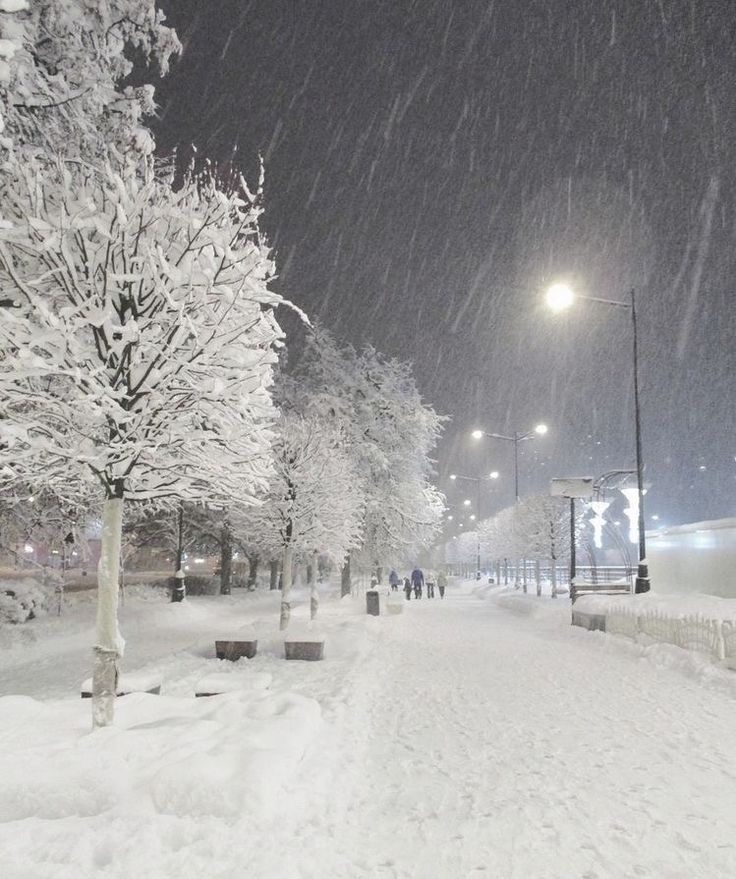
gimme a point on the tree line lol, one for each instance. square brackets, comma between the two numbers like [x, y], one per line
[141, 363]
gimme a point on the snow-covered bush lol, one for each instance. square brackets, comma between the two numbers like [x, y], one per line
[22, 600]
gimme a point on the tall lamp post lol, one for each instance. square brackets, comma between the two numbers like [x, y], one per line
[516, 438]
[559, 298]
[477, 480]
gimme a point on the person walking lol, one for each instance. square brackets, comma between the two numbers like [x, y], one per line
[407, 588]
[417, 581]
[430, 585]
[393, 579]
[442, 583]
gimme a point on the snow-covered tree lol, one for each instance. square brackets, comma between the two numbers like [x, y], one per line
[142, 349]
[41, 518]
[313, 505]
[62, 63]
[390, 433]
[463, 550]
[543, 529]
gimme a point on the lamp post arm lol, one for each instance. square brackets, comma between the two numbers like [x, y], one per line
[617, 302]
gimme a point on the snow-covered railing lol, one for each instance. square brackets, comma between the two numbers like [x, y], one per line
[698, 632]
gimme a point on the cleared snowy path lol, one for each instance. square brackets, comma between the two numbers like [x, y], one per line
[460, 739]
[503, 745]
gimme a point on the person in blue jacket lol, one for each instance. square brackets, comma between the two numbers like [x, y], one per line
[417, 581]
[393, 580]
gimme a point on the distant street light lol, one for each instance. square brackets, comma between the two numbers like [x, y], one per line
[494, 474]
[560, 297]
[516, 438]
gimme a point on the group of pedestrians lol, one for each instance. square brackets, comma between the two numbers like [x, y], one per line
[417, 583]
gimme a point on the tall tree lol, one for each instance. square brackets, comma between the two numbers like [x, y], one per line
[142, 349]
[390, 433]
[313, 503]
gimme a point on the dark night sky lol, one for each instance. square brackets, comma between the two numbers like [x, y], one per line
[432, 164]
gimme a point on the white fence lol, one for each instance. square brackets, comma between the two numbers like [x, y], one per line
[714, 638]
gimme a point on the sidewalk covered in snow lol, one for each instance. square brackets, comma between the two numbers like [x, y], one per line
[475, 736]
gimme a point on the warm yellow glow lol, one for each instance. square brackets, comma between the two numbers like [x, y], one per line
[559, 297]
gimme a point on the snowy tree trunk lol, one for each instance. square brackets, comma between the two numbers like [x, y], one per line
[253, 561]
[378, 571]
[286, 587]
[505, 572]
[313, 591]
[523, 575]
[178, 590]
[498, 573]
[226, 559]
[538, 576]
[345, 583]
[554, 578]
[274, 575]
[109, 646]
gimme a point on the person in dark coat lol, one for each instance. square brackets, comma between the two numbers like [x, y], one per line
[393, 579]
[407, 588]
[417, 581]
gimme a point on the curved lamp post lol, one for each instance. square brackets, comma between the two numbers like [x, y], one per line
[561, 297]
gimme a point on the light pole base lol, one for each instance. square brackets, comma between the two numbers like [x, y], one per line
[642, 583]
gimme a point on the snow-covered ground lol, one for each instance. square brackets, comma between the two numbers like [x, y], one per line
[481, 735]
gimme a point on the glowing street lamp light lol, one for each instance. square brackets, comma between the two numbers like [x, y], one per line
[467, 502]
[560, 297]
[516, 438]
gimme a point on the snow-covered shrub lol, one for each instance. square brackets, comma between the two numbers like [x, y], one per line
[196, 585]
[22, 600]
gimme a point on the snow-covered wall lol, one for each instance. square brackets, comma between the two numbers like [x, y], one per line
[700, 557]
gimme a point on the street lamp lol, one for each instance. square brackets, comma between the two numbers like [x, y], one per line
[494, 474]
[560, 297]
[516, 438]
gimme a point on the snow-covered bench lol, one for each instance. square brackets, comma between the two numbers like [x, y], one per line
[309, 649]
[138, 682]
[577, 589]
[236, 649]
[216, 685]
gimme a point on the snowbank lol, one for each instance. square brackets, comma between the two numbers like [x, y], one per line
[710, 606]
[226, 756]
